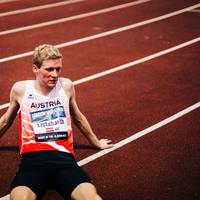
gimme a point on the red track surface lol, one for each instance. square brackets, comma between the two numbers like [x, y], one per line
[161, 165]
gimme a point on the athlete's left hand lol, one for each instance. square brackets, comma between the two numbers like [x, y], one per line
[105, 143]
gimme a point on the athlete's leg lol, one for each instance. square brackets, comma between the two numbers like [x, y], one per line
[85, 191]
[28, 185]
[22, 193]
[74, 182]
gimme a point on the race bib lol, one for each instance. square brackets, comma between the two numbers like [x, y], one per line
[50, 124]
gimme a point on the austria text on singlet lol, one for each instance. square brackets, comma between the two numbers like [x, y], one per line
[45, 122]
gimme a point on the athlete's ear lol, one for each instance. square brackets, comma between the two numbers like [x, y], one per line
[35, 68]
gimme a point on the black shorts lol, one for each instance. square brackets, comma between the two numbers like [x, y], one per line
[45, 170]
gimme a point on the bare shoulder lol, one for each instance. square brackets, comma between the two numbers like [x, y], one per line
[18, 90]
[19, 87]
[66, 83]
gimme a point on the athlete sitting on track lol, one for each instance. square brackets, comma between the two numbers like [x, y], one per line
[46, 106]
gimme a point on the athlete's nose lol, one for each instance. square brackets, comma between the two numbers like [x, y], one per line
[54, 73]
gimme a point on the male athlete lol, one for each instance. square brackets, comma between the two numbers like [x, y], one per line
[46, 106]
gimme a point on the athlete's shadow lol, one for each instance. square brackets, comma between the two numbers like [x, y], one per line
[76, 146]
[9, 148]
[83, 146]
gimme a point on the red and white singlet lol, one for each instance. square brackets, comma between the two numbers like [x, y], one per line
[45, 122]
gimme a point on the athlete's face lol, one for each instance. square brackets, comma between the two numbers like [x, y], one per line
[47, 75]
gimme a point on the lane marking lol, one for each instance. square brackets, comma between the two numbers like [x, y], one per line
[136, 62]
[4, 106]
[195, 10]
[66, 19]
[107, 33]
[128, 65]
[6, 1]
[138, 134]
[25, 10]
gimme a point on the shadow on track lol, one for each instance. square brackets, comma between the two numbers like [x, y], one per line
[10, 148]
[76, 146]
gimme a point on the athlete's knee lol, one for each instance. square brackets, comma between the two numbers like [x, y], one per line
[22, 193]
[85, 191]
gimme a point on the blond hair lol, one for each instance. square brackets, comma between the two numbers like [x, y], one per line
[45, 52]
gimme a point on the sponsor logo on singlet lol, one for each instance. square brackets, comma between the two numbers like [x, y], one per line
[47, 114]
[30, 96]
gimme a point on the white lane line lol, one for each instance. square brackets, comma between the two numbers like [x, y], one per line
[25, 10]
[4, 106]
[136, 62]
[43, 24]
[104, 34]
[139, 134]
[128, 65]
[195, 10]
[6, 1]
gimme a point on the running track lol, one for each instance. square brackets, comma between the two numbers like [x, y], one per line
[135, 65]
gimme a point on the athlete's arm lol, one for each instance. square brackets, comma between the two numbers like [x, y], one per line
[83, 125]
[8, 117]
